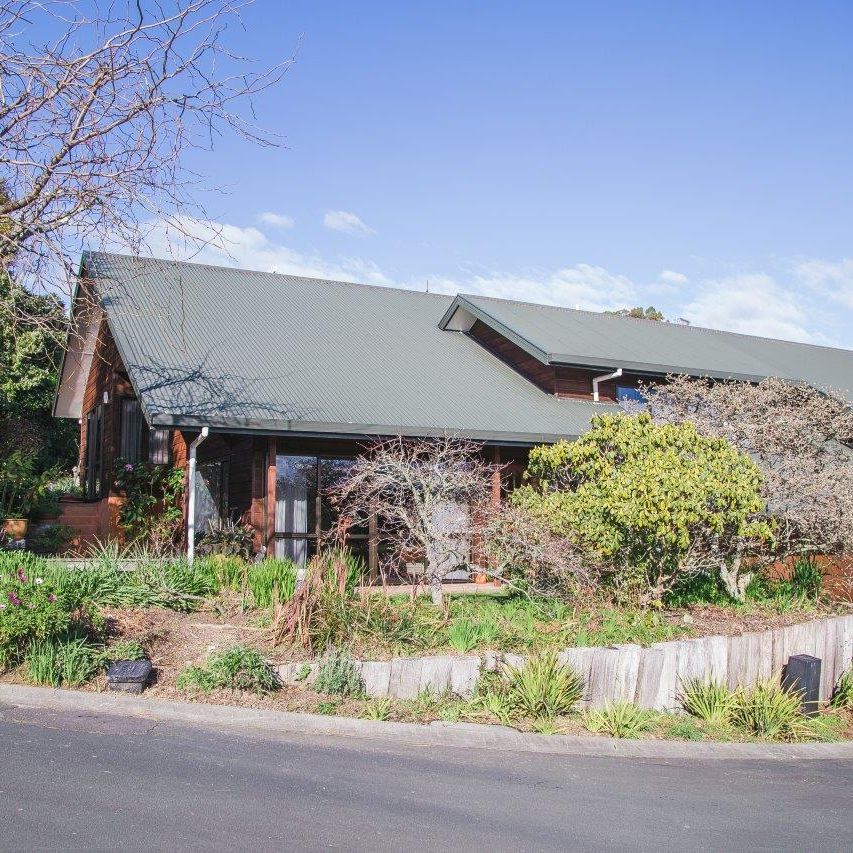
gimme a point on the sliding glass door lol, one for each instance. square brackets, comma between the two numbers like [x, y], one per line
[303, 511]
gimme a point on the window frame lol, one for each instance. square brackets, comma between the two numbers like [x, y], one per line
[314, 536]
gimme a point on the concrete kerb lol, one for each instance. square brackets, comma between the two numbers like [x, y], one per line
[260, 723]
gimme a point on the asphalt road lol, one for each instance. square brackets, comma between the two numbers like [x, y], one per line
[104, 783]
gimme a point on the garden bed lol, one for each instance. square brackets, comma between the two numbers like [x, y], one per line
[184, 617]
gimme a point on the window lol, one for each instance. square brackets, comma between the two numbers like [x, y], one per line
[130, 441]
[303, 511]
[211, 494]
[133, 433]
[159, 446]
[94, 451]
[624, 394]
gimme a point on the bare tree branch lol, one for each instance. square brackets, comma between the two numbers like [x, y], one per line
[99, 103]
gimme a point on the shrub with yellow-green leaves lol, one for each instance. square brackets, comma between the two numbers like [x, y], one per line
[649, 503]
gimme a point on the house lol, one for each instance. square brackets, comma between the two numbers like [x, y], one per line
[277, 381]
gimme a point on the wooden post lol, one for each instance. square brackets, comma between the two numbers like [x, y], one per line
[496, 477]
[270, 497]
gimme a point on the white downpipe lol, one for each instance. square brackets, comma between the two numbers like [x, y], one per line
[191, 467]
[615, 375]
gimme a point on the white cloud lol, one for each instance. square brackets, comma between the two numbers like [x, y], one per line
[203, 241]
[754, 304]
[833, 280]
[349, 223]
[673, 277]
[276, 220]
[589, 287]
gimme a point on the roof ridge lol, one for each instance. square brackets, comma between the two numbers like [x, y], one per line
[245, 270]
[655, 323]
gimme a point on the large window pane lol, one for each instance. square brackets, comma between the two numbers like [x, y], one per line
[211, 494]
[332, 471]
[296, 494]
[298, 550]
[130, 443]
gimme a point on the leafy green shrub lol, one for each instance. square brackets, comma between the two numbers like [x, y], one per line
[622, 720]
[52, 539]
[237, 668]
[32, 610]
[766, 710]
[271, 579]
[337, 675]
[378, 709]
[842, 696]
[463, 635]
[710, 701]
[646, 501]
[123, 650]
[806, 578]
[543, 687]
[61, 661]
[227, 538]
[152, 512]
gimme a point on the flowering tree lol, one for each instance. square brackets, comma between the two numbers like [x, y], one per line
[422, 495]
[801, 439]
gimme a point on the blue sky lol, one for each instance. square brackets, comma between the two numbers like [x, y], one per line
[694, 156]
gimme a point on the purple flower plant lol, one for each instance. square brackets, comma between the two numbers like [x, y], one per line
[14, 600]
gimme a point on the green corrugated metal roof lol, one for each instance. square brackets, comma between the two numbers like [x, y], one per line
[569, 336]
[234, 349]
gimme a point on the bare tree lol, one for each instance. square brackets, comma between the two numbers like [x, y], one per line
[800, 437]
[99, 102]
[423, 496]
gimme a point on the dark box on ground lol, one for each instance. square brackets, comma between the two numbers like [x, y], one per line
[129, 676]
[802, 675]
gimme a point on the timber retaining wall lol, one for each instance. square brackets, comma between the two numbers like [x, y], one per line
[650, 677]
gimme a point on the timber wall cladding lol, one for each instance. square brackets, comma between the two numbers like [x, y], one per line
[650, 677]
[561, 380]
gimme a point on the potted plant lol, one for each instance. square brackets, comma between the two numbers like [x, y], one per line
[19, 488]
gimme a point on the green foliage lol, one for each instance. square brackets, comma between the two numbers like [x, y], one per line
[51, 539]
[680, 727]
[32, 610]
[61, 661]
[464, 635]
[378, 709]
[271, 579]
[123, 650]
[639, 313]
[767, 710]
[543, 687]
[337, 675]
[21, 484]
[642, 498]
[303, 672]
[237, 668]
[710, 701]
[622, 720]
[228, 538]
[32, 335]
[806, 578]
[842, 696]
[152, 511]
[328, 707]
